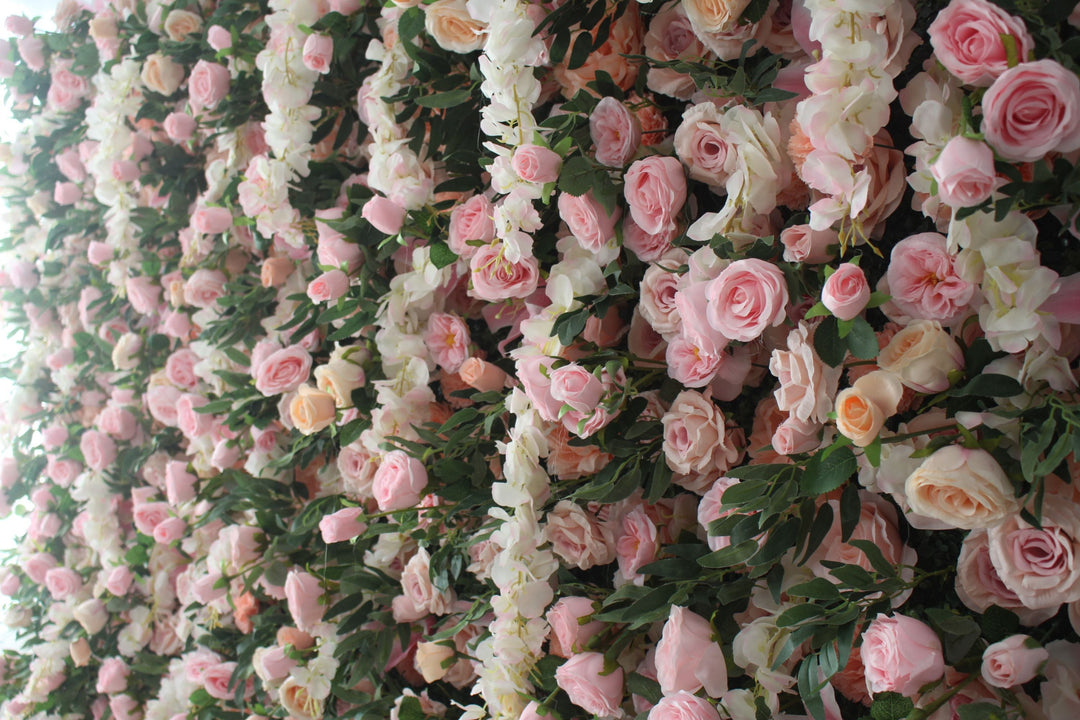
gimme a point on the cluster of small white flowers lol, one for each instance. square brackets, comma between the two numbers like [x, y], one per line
[102, 528]
[317, 676]
[851, 90]
[117, 99]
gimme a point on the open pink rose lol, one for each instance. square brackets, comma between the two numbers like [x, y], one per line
[688, 658]
[112, 676]
[747, 297]
[615, 132]
[282, 371]
[900, 654]
[536, 163]
[98, 449]
[495, 277]
[208, 84]
[967, 40]
[399, 481]
[587, 220]
[683, 706]
[1032, 109]
[964, 172]
[575, 386]
[447, 340]
[923, 279]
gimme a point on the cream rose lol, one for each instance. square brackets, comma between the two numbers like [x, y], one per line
[161, 74]
[181, 23]
[449, 23]
[922, 355]
[339, 378]
[696, 442]
[863, 408]
[311, 410]
[962, 487]
[430, 657]
[714, 16]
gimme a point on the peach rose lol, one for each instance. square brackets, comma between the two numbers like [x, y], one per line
[161, 74]
[181, 23]
[449, 23]
[962, 487]
[312, 410]
[922, 355]
[863, 408]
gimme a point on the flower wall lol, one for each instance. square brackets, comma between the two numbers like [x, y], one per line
[491, 358]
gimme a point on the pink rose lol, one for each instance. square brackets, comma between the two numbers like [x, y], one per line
[302, 591]
[747, 297]
[191, 422]
[274, 663]
[688, 658]
[923, 280]
[98, 449]
[65, 193]
[447, 340]
[578, 537]
[19, 25]
[655, 190]
[966, 37]
[169, 530]
[179, 483]
[180, 368]
[118, 581]
[384, 214]
[900, 654]
[32, 51]
[399, 481]
[71, 166]
[471, 220]
[846, 292]
[964, 172]
[575, 386]
[204, 287]
[208, 84]
[144, 294]
[711, 507]
[582, 678]
[342, 525]
[697, 445]
[1032, 109]
[671, 37]
[118, 422]
[648, 247]
[637, 545]
[52, 438]
[568, 634]
[1013, 661]
[282, 371]
[683, 706]
[318, 53]
[218, 38]
[328, 287]
[148, 515]
[38, 565]
[62, 582]
[113, 676]
[211, 220]
[703, 145]
[161, 401]
[536, 163]
[217, 679]
[615, 132]
[692, 364]
[587, 220]
[495, 277]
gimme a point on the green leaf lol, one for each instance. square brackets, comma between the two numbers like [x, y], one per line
[729, 556]
[830, 348]
[850, 511]
[797, 614]
[442, 255]
[891, 706]
[981, 711]
[862, 341]
[410, 706]
[997, 623]
[824, 474]
[643, 686]
[754, 11]
[449, 99]
[817, 589]
[989, 385]
[410, 24]
[576, 176]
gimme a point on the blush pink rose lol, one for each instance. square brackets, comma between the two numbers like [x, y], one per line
[19, 25]
[211, 220]
[218, 38]
[32, 51]
[747, 297]
[964, 172]
[1032, 109]
[472, 220]
[208, 84]
[582, 678]
[696, 442]
[846, 292]
[578, 537]
[1013, 661]
[65, 193]
[112, 676]
[447, 340]
[655, 190]
[900, 654]
[671, 37]
[71, 166]
[328, 287]
[191, 422]
[217, 679]
[711, 508]
[683, 706]
[384, 214]
[161, 402]
[568, 633]
[179, 126]
[536, 163]
[587, 220]
[318, 53]
[62, 582]
[204, 287]
[966, 37]
[615, 132]
[144, 293]
[148, 515]
[169, 530]
[342, 525]
[688, 658]
[399, 481]
[302, 592]
[647, 246]
[180, 368]
[282, 371]
[692, 364]
[37, 565]
[923, 279]
[98, 449]
[179, 483]
[118, 581]
[575, 386]
[119, 422]
[494, 277]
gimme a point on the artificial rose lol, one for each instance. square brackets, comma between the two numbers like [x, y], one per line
[964, 172]
[312, 410]
[1013, 661]
[482, 375]
[747, 297]
[328, 287]
[181, 23]
[655, 190]
[342, 525]
[695, 436]
[536, 163]
[569, 634]
[384, 214]
[575, 386]
[399, 481]
[470, 221]
[963, 487]
[671, 37]
[687, 656]
[587, 220]
[495, 277]
[449, 24]
[582, 677]
[282, 371]
[161, 74]
[211, 220]
[863, 408]
[900, 654]
[683, 706]
[578, 537]
[807, 385]
[967, 37]
[447, 340]
[923, 279]
[615, 132]
[112, 676]
[923, 356]
[1032, 109]
[846, 292]
[208, 84]
[302, 592]
[318, 53]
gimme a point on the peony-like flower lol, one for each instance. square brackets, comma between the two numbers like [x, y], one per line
[615, 133]
[495, 277]
[671, 37]
[963, 487]
[901, 654]
[923, 279]
[181, 23]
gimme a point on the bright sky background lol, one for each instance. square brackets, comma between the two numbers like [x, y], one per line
[14, 526]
